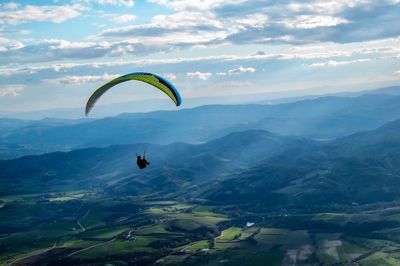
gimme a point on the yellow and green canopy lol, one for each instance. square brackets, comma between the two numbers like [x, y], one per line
[149, 78]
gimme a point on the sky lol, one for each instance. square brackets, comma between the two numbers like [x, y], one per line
[54, 54]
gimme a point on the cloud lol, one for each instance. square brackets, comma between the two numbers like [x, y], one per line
[310, 22]
[10, 6]
[8, 44]
[238, 70]
[333, 63]
[382, 49]
[55, 49]
[196, 5]
[397, 72]
[78, 80]
[170, 76]
[124, 18]
[125, 3]
[306, 22]
[213, 22]
[11, 90]
[199, 75]
[326, 7]
[30, 13]
[242, 70]
[166, 25]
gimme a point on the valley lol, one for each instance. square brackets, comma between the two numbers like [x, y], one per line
[143, 230]
[239, 195]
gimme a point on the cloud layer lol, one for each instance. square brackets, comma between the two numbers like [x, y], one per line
[206, 23]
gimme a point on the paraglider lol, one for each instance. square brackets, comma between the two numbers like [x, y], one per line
[142, 163]
[149, 78]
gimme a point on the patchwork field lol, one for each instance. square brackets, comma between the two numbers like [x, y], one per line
[79, 228]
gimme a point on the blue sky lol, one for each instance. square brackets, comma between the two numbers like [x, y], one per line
[55, 53]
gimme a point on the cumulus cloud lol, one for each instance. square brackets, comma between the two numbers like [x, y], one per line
[333, 63]
[310, 22]
[170, 76]
[208, 23]
[164, 25]
[197, 5]
[388, 48]
[8, 44]
[124, 18]
[55, 49]
[11, 90]
[125, 3]
[305, 22]
[242, 69]
[78, 80]
[199, 75]
[10, 5]
[30, 13]
[327, 6]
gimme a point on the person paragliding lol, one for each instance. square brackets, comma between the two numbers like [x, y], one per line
[142, 162]
[157, 81]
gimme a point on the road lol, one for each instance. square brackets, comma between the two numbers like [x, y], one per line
[93, 246]
[31, 255]
[83, 217]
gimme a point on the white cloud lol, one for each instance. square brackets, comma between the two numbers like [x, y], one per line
[124, 18]
[377, 49]
[199, 75]
[125, 3]
[163, 24]
[255, 20]
[310, 22]
[170, 76]
[8, 44]
[30, 13]
[11, 90]
[195, 4]
[78, 80]
[325, 6]
[334, 63]
[397, 72]
[10, 5]
[60, 49]
[242, 69]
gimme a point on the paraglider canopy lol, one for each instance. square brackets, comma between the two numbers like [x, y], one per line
[149, 78]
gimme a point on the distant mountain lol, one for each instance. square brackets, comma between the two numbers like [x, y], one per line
[359, 169]
[164, 104]
[175, 164]
[256, 169]
[322, 118]
[394, 90]
[380, 142]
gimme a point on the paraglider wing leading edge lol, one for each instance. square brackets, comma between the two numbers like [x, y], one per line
[149, 78]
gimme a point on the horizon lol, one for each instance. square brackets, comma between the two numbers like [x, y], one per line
[115, 109]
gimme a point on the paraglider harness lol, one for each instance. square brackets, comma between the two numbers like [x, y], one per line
[142, 163]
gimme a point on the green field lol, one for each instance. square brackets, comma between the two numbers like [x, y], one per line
[172, 233]
[230, 234]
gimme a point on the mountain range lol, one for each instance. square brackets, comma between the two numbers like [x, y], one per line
[322, 118]
[255, 168]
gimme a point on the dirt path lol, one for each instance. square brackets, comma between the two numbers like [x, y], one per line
[32, 254]
[92, 246]
[83, 217]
